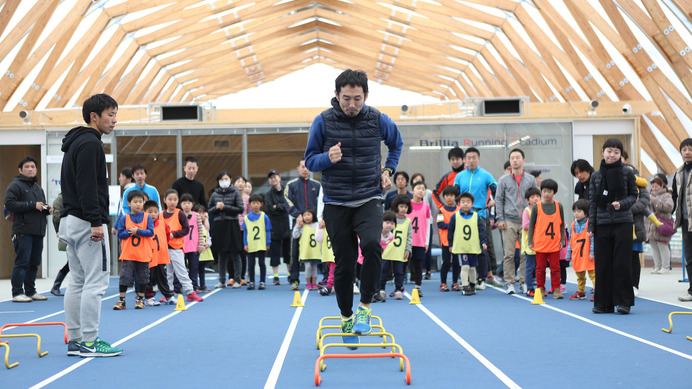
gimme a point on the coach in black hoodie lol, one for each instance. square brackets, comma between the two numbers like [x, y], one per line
[84, 182]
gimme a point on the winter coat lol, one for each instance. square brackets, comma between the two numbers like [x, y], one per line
[278, 216]
[232, 200]
[20, 198]
[608, 214]
[639, 214]
[662, 205]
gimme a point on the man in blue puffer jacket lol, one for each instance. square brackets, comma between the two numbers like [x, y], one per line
[344, 144]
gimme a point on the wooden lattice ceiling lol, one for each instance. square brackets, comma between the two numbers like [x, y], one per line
[193, 50]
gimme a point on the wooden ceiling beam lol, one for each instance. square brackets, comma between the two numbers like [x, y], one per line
[502, 74]
[143, 84]
[531, 60]
[469, 89]
[17, 33]
[130, 7]
[652, 147]
[466, 12]
[489, 79]
[8, 10]
[662, 125]
[606, 66]
[8, 85]
[78, 74]
[172, 12]
[122, 91]
[521, 74]
[113, 74]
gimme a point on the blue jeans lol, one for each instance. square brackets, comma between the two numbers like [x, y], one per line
[530, 273]
[28, 249]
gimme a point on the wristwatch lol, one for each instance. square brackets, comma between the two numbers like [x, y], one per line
[388, 169]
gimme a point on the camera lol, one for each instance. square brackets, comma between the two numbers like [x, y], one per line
[626, 109]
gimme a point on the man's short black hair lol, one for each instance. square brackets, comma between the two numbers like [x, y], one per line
[582, 204]
[507, 165]
[686, 143]
[473, 150]
[127, 172]
[450, 190]
[401, 173]
[151, 204]
[353, 78]
[583, 166]
[97, 103]
[389, 216]
[467, 195]
[549, 184]
[532, 191]
[191, 159]
[131, 195]
[139, 166]
[535, 173]
[516, 150]
[401, 199]
[256, 197]
[26, 160]
[455, 152]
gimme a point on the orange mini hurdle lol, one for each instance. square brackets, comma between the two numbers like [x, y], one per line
[318, 379]
[34, 324]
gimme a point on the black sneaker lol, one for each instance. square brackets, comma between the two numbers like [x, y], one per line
[251, 286]
[603, 310]
[623, 309]
[326, 291]
[262, 286]
[73, 348]
[379, 297]
[427, 275]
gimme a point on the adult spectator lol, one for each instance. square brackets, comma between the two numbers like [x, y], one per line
[189, 184]
[84, 183]
[582, 169]
[456, 160]
[276, 208]
[401, 183]
[683, 204]
[510, 204]
[301, 193]
[26, 200]
[344, 144]
[139, 173]
[480, 183]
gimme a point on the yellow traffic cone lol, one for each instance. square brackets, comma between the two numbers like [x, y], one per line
[297, 301]
[415, 298]
[180, 305]
[538, 296]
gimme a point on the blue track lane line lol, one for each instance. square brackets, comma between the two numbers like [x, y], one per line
[605, 327]
[84, 361]
[283, 350]
[489, 365]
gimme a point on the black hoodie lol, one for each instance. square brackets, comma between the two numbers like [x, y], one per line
[21, 198]
[84, 176]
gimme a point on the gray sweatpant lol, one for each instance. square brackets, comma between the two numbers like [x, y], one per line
[89, 270]
[177, 268]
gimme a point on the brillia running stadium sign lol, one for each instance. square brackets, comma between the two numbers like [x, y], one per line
[525, 141]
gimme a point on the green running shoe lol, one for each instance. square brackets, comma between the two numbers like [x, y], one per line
[362, 326]
[347, 328]
[98, 348]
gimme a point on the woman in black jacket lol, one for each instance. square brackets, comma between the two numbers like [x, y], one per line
[225, 204]
[612, 193]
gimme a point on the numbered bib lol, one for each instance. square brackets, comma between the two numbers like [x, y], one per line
[136, 248]
[256, 234]
[327, 252]
[396, 249]
[466, 237]
[309, 249]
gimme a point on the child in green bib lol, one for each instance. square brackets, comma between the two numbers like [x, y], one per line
[256, 240]
[310, 252]
[466, 235]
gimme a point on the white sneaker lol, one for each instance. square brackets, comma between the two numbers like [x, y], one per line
[510, 288]
[151, 302]
[523, 289]
[656, 271]
[636, 291]
[480, 285]
[355, 289]
[39, 297]
[686, 297]
[236, 285]
[21, 298]
[664, 271]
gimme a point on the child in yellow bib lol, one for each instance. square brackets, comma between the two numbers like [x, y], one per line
[310, 252]
[393, 241]
[322, 237]
[256, 240]
[532, 195]
[467, 239]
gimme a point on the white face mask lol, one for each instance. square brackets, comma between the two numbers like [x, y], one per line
[224, 184]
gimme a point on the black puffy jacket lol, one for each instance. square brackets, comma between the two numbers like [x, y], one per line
[276, 207]
[20, 198]
[610, 215]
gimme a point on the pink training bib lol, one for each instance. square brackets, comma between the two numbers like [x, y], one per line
[191, 241]
[419, 223]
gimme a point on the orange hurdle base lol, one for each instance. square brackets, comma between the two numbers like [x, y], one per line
[318, 379]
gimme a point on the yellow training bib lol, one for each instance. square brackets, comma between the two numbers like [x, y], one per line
[256, 234]
[309, 249]
[466, 237]
[396, 249]
[327, 252]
